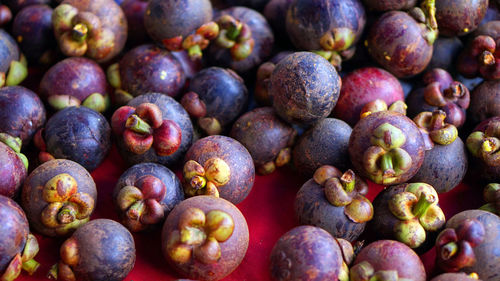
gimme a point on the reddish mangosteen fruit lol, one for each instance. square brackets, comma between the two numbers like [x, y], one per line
[13, 165]
[483, 144]
[145, 194]
[18, 246]
[13, 69]
[21, 111]
[491, 195]
[455, 277]
[481, 57]
[96, 29]
[445, 162]
[327, 143]
[307, 253]
[334, 201]
[305, 87]
[102, 249]
[134, 11]
[73, 82]
[205, 238]
[440, 92]
[459, 17]
[263, 79]
[470, 243]
[146, 69]
[387, 5]
[408, 213]
[260, 42]
[58, 196]
[485, 101]
[329, 27]
[403, 42]
[152, 128]
[75, 133]
[386, 147]
[215, 98]
[362, 86]
[268, 139]
[219, 166]
[446, 52]
[387, 260]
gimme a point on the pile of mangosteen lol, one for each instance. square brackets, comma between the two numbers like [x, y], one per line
[153, 119]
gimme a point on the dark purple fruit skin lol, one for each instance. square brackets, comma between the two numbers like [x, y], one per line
[223, 92]
[148, 68]
[446, 50]
[383, 222]
[134, 12]
[312, 208]
[174, 193]
[189, 66]
[17, 5]
[21, 111]
[362, 132]
[263, 134]
[77, 77]
[387, 5]
[387, 37]
[306, 253]
[12, 172]
[233, 250]
[14, 232]
[484, 101]
[444, 166]
[327, 143]
[79, 134]
[459, 17]
[169, 19]
[487, 252]
[172, 110]
[32, 193]
[305, 88]
[9, 50]
[275, 13]
[106, 250]
[32, 29]
[453, 277]
[235, 155]
[393, 255]
[261, 34]
[308, 20]
[254, 4]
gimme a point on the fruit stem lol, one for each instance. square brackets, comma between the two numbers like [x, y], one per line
[429, 7]
[422, 205]
[79, 32]
[194, 52]
[437, 120]
[347, 181]
[136, 124]
[31, 266]
[449, 250]
[386, 163]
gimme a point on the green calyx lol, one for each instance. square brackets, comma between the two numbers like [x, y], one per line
[97, 102]
[15, 144]
[429, 9]
[16, 74]
[388, 137]
[113, 75]
[59, 102]
[386, 167]
[137, 125]
[337, 39]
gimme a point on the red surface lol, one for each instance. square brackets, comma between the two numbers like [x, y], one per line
[268, 210]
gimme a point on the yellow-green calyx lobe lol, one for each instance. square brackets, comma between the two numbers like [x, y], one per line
[205, 180]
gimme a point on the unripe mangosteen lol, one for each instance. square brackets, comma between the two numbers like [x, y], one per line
[387, 5]
[305, 87]
[96, 29]
[152, 128]
[21, 111]
[75, 133]
[205, 238]
[327, 143]
[268, 139]
[102, 249]
[485, 101]
[408, 213]
[459, 17]
[470, 243]
[219, 166]
[215, 97]
[363, 86]
[13, 165]
[13, 69]
[335, 202]
[483, 144]
[387, 258]
[386, 147]
[73, 82]
[18, 247]
[58, 196]
[145, 194]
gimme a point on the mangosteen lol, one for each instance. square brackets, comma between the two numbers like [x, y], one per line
[215, 97]
[480, 57]
[305, 87]
[13, 69]
[76, 133]
[470, 243]
[485, 101]
[483, 144]
[13, 165]
[152, 128]
[219, 166]
[102, 249]
[459, 17]
[205, 238]
[58, 196]
[491, 195]
[145, 194]
[386, 147]
[18, 246]
[73, 82]
[268, 139]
